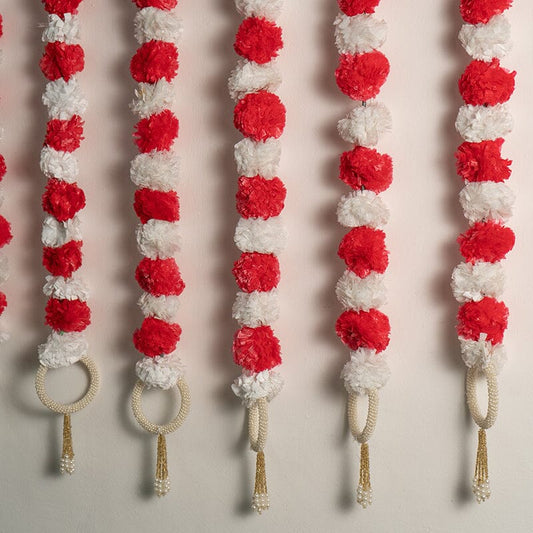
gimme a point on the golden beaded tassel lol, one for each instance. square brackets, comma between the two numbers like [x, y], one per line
[481, 485]
[162, 481]
[66, 465]
[364, 490]
[260, 501]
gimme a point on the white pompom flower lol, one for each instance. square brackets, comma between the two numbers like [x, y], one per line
[472, 282]
[153, 24]
[60, 165]
[486, 41]
[151, 98]
[476, 123]
[160, 372]
[486, 200]
[254, 309]
[359, 33]
[270, 9]
[62, 349]
[366, 371]
[250, 77]
[64, 28]
[73, 288]
[362, 208]
[258, 235]
[478, 354]
[64, 99]
[158, 238]
[365, 124]
[250, 386]
[361, 294]
[55, 233]
[162, 307]
[157, 170]
[258, 158]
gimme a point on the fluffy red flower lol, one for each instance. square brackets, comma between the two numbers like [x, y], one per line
[256, 272]
[154, 61]
[361, 76]
[356, 7]
[363, 250]
[486, 241]
[1, 26]
[484, 83]
[156, 337]
[260, 115]
[364, 329]
[258, 197]
[160, 205]
[62, 200]
[60, 7]
[3, 167]
[3, 302]
[5, 232]
[166, 5]
[64, 135]
[63, 260]
[156, 132]
[482, 161]
[159, 277]
[481, 11]
[486, 316]
[62, 60]
[366, 167]
[67, 315]
[256, 349]
[258, 40]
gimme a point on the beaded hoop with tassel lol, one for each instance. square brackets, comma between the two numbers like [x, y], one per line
[67, 312]
[477, 284]
[155, 172]
[361, 72]
[260, 234]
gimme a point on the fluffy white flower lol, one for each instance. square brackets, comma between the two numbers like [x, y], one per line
[64, 99]
[258, 158]
[258, 235]
[362, 294]
[365, 124]
[162, 307]
[476, 123]
[366, 371]
[250, 77]
[487, 200]
[270, 9]
[480, 353]
[472, 282]
[485, 41]
[152, 98]
[359, 33]
[156, 170]
[160, 372]
[250, 387]
[65, 29]
[62, 349]
[55, 233]
[4, 267]
[153, 24]
[362, 208]
[158, 238]
[60, 165]
[73, 288]
[254, 309]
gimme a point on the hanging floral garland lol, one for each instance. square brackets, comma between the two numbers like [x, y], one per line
[155, 172]
[5, 235]
[362, 327]
[487, 201]
[260, 234]
[67, 311]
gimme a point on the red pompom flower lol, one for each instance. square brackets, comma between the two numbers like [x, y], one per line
[256, 349]
[258, 197]
[3, 167]
[5, 232]
[156, 132]
[258, 40]
[63, 260]
[60, 7]
[357, 7]
[62, 200]
[61, 60]
[166, 5]
[260, 115]
[486, 241]
[361, 76]
[482, 161]
[150, 203]
[481, 11]
[364, 329]
[159, 277]
[64, 135]
[156, 337]
[3, 302]
[154, 61]
[256, 272]
[366, 167]
[487, 316]
[363, 250]
[67, 315]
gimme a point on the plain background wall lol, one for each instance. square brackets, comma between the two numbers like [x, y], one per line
[423, 450]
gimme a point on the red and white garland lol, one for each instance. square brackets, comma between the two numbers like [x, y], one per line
[5, 235]
[155, 172]
[362, 327]
[260, 234]
[487, 202]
